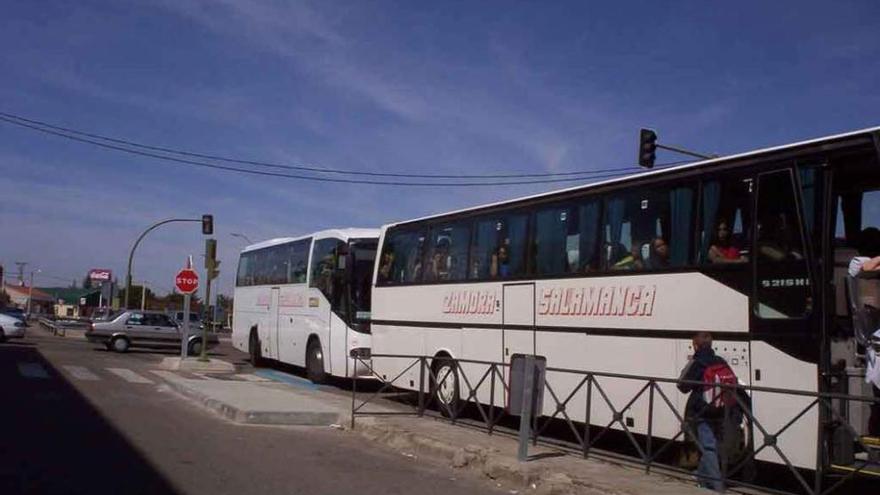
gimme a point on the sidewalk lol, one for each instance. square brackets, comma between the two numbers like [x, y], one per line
[548, 472]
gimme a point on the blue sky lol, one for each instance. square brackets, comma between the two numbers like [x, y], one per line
[418, 87]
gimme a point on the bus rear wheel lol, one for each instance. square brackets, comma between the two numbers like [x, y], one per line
[315, 362]
[444, 386]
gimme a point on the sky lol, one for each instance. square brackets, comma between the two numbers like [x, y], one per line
[441, 87]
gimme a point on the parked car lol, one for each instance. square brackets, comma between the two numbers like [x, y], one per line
[151, 329]
[11, 327]
[17, 313]
[195, 321]
[104, 314]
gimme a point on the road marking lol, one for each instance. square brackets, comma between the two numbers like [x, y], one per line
[287, 378]
[165, 375]
[80, 372]
[250, 378]
[128, 375]
[204, 376]
[32, 370]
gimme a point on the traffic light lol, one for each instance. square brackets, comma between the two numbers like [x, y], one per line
[207, 224]
[212, 264]
[647, 148]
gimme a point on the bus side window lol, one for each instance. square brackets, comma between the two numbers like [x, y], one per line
[498, 247]
[726, 221]
[565, 239]
[649, 230]
[401, 257]
[324, 269]
[783, 285]
[448, 253]
[297, 265]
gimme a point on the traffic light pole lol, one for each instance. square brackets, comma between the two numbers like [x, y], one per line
[685, 152]
[211, 272]
[206, 319]
[138, 241]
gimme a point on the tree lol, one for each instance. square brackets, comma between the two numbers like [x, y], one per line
[5, 300]
[151, 301]
[87, 282]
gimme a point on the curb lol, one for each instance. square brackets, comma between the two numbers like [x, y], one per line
[486, 461]
[493, 464]
[298, 418]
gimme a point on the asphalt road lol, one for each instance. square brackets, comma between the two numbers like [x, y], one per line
[76, 419]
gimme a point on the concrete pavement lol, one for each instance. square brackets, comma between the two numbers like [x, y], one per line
[77, 419]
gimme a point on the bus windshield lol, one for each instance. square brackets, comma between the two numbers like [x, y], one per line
[363, 256]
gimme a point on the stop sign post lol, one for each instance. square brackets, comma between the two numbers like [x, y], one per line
[187, 282]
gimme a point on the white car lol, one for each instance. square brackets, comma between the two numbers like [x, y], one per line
[11, 328]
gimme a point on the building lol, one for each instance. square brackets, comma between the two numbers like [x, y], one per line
[73, 302]
[41, 302]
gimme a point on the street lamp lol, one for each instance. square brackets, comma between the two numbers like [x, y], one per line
[31, 291]
[241, 236]
[207, 223]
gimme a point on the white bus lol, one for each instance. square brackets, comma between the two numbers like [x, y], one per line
[617, 276]
[305, 301]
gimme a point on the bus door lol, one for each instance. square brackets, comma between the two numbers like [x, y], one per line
[272, 327]
[784, 347]
[518, 321]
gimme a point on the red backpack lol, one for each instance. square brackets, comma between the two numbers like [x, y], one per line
[716, 396]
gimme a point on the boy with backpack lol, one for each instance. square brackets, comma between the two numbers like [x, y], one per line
[706, 403]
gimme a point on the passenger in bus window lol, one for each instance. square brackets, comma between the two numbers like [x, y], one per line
[441, 261]
[500, 267]
[722, 250]
[385, 266]
[659, 255]
[778, 239]
[632, 260]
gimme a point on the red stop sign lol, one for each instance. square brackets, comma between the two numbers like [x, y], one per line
[187, 281]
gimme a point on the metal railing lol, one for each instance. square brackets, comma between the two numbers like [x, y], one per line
[648, 449]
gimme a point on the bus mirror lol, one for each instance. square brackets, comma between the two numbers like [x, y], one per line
[340, 263]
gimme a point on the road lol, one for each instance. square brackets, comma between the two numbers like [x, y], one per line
[78, 419]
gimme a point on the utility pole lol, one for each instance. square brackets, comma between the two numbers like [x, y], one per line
[143, 295]
[21, 265]
[31, 293]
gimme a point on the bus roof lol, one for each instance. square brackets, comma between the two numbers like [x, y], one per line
[344, 234]
[702, 163]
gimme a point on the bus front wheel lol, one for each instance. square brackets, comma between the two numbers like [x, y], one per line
[315, 362]
[254, 350]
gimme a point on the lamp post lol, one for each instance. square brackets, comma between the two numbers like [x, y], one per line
[138, 241]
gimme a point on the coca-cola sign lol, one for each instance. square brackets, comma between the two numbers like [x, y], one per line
[100, 275]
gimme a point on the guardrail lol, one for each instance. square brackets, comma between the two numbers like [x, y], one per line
[59, 327]
[488, 380]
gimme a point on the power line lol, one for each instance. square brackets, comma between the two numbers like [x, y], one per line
[192, 154]
[302, 177]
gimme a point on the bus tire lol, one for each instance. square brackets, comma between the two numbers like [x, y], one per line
[445, 386]
[254, 349]
[315, 362]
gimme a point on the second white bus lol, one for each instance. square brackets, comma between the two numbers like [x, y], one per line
[305, 301]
